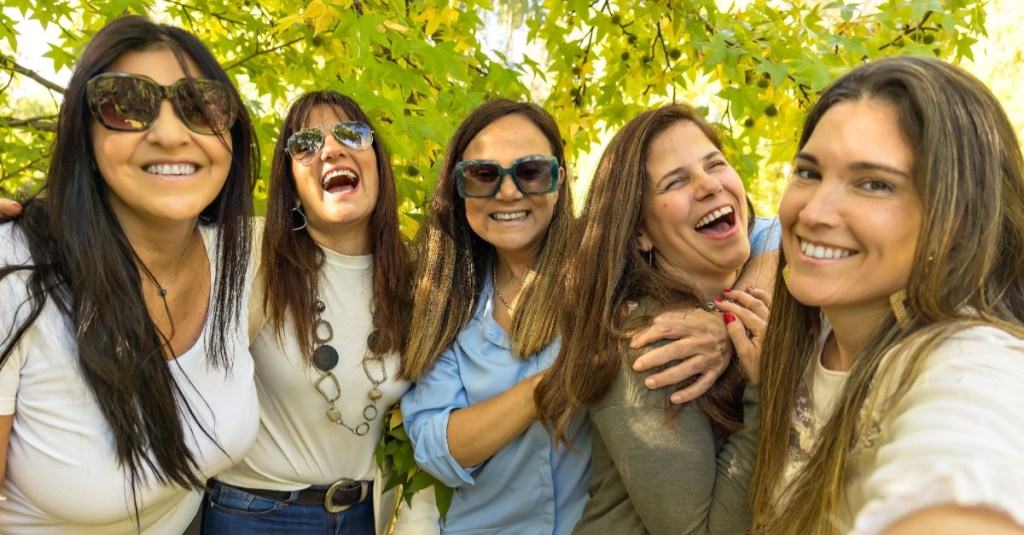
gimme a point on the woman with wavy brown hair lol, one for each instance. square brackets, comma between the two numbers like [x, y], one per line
[666, 226]
[893, 368]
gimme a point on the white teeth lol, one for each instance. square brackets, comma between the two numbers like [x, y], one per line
[713, 216]
[509, 216]
[339, 172]
[822, 252]
[171, 169]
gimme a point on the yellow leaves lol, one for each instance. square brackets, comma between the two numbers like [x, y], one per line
[395, 26]
[317, 15]
[433, 18]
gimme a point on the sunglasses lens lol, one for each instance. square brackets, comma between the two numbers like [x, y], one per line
[480, 179]
[353, 135]
[205, 105]
[124, 103]
[534, 176]
[304, 144]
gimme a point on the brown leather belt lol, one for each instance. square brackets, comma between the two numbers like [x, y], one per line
[336, 498]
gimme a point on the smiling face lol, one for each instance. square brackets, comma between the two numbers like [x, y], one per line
[166, 173]
[851, 217]
[695, 211]
[515, 224]
[337, 188]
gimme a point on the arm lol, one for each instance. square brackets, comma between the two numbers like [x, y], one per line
[952, 445]
[951, 520]
[441, 423]
[478, 431]
[6, 422]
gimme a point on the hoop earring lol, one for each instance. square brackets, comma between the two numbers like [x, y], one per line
[295, 224]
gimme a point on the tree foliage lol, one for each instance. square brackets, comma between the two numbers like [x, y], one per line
[418, 66]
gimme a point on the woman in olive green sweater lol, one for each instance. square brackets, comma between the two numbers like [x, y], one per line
[667, 225]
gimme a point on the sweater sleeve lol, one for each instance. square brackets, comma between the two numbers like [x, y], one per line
[664, 460]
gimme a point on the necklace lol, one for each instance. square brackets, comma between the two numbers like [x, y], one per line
[162, 290]
[325, 358]
[494, 282]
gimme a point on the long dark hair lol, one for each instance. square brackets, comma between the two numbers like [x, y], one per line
[452, 258]
[84, 263]
[291, 261]
[608, 270]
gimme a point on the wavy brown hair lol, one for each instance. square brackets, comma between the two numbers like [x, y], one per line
[969, 176]
[292, 262]
[452, 259]
[608, 270]
[84, 263]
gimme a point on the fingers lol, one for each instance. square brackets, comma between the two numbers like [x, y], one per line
[748, 348]
[670, 325]
[695, 390]
[693, 365]
[9, 208]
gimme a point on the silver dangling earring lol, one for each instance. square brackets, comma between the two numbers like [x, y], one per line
[297, 226]
[650, 256]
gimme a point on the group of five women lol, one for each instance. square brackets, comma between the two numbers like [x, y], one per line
[876, 397]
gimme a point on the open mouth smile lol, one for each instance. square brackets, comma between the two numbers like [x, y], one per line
[717, 221]
[339, 181]
[510, 216]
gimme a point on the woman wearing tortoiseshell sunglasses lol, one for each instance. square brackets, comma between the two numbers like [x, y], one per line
[125, 379]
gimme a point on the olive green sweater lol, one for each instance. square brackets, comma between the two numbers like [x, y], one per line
[654, 476]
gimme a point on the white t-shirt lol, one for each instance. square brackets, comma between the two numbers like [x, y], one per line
[62, 474]
[956, 437]
[297, 445]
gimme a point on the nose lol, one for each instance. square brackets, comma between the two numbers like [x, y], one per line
[168, 130]
[820, 205]
[507, 189]
[332, 148]
[705, 185]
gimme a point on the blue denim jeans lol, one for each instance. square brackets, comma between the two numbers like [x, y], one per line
[229, 511]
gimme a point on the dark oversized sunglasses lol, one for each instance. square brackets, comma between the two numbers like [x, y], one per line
[131, 102]
[305, 144]
[532, 175]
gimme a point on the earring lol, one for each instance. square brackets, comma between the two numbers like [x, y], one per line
[899, 308]
[295, 224]
[650, 257]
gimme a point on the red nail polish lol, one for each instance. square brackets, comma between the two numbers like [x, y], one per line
[719, 300]
[728, 317]
[726, 290]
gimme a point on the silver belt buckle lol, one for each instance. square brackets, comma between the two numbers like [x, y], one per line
[329, 496]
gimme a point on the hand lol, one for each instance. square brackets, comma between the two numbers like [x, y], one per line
[9, 208]
[701, 344]
[745, 320]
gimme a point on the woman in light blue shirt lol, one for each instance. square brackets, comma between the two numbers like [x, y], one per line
[484, 328]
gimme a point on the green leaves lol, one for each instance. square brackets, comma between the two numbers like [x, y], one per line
[395, 456]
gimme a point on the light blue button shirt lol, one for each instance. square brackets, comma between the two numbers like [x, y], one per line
[766, 236]
[530, 486]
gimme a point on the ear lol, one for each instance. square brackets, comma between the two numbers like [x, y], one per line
[646, 245]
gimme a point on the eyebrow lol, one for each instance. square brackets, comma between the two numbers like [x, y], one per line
[859, 165]
[682, 172]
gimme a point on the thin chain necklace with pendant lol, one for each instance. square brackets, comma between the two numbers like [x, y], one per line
[325, 358]
[494, 281]
[162, 291]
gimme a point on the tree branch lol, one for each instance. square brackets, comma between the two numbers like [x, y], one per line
[234, 64]
[9, 63]
[43, 122]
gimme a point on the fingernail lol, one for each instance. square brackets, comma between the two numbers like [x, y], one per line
[751, 288]
[649, 383]
[677, 399]
[636, 365]
[726, 290]
[719, 300]
[728, 317]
